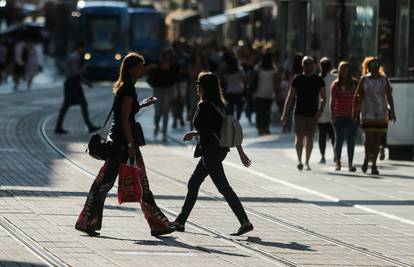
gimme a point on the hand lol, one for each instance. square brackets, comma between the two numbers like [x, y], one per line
[392, 117]
[283, 120]
[189, 136]
[131, 152]
[149, 101]
[245, 159]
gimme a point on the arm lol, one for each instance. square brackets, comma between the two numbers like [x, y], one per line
[390, 100]
[322, 93]
[243, 157]
[333, 99]
[291, 95]
[358, 97]
[126, 128]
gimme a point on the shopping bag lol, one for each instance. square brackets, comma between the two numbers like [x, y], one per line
[129, 182]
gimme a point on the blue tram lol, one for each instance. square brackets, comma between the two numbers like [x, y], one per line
[103, 26]
[147, 32]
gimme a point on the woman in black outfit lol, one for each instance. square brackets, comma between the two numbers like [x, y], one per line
[123, 142]
[207, 123]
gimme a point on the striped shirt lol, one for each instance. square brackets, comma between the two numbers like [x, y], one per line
[342, 100]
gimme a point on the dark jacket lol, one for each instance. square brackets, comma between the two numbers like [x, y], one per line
[207, 122]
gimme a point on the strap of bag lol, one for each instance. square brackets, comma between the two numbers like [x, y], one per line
[107, 119]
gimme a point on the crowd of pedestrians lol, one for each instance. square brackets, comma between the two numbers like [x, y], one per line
[18, 60]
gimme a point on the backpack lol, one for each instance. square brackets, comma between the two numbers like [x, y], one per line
[231, 132]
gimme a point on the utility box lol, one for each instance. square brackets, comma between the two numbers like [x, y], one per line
[400, 136]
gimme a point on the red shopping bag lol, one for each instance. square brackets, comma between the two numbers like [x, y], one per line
[129, 183]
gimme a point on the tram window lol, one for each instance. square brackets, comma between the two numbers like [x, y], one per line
[146, 27]
[103, 32]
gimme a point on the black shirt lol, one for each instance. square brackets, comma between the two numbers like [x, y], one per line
[160, 77]
[207, 122]
[116, 133]
[307, 89]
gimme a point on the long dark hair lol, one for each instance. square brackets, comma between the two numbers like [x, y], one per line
[211, 88]
[267, 61]
[131, 60]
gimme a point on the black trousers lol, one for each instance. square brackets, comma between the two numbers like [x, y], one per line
[213, 166]
[73, 95]
[263, 106]
[234, 104]
[325, 129]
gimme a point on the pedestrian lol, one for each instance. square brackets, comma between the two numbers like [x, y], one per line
[374, 105]
[163, 79]
[248, 62]
[267, 86]
[308, 92]
[343, 91]
[73, 92]
[122, 146]
[324, 122]
[207, 123]
[197, 65]
[180, 92]
[3, 60]
[281, 96]
[19, 59]
[32, 63]
[232, 78]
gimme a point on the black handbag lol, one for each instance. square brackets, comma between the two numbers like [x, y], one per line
[97, 146]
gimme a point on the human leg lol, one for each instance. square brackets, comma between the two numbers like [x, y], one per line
[193, 186]
[339, 140]
[322, 132]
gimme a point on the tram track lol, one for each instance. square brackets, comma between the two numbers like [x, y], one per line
[245, 245]
[274, 259]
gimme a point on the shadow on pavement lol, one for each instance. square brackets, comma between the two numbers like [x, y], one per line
[20, 263]
[291, 245]
[54, 194]
[170, 241]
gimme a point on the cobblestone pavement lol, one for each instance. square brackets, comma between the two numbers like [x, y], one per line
[316, 218]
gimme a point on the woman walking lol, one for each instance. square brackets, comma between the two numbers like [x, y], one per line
[123, 142]
[207, 123]
[343, 91]
[372, 101]
[232, 77]
[267, 85]
[324, 122]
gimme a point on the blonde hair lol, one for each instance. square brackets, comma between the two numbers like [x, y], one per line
[131, 60]
[342, 80]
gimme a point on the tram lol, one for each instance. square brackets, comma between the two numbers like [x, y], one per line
[147, 31]
[103, 26]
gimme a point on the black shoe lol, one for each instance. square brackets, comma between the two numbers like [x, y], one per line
[60, 131]
[163, 231]
[352, 168]
[91, 233]
[244, 228]
[364, 167]
[300, 166]
[374, 170]
[178, 226]
[93, 129]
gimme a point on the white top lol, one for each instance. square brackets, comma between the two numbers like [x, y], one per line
[18, 53]
[326, 114]
[265, 83]
[234, 83]
[32, 64]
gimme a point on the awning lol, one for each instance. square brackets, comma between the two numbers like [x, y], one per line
[233, 13]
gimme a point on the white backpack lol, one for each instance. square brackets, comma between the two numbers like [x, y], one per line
[231, 132]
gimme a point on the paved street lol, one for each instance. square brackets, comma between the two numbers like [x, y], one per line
[311, 218]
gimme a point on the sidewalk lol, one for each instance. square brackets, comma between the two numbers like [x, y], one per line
[300, 218]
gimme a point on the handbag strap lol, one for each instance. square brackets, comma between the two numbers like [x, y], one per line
[107, 119]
